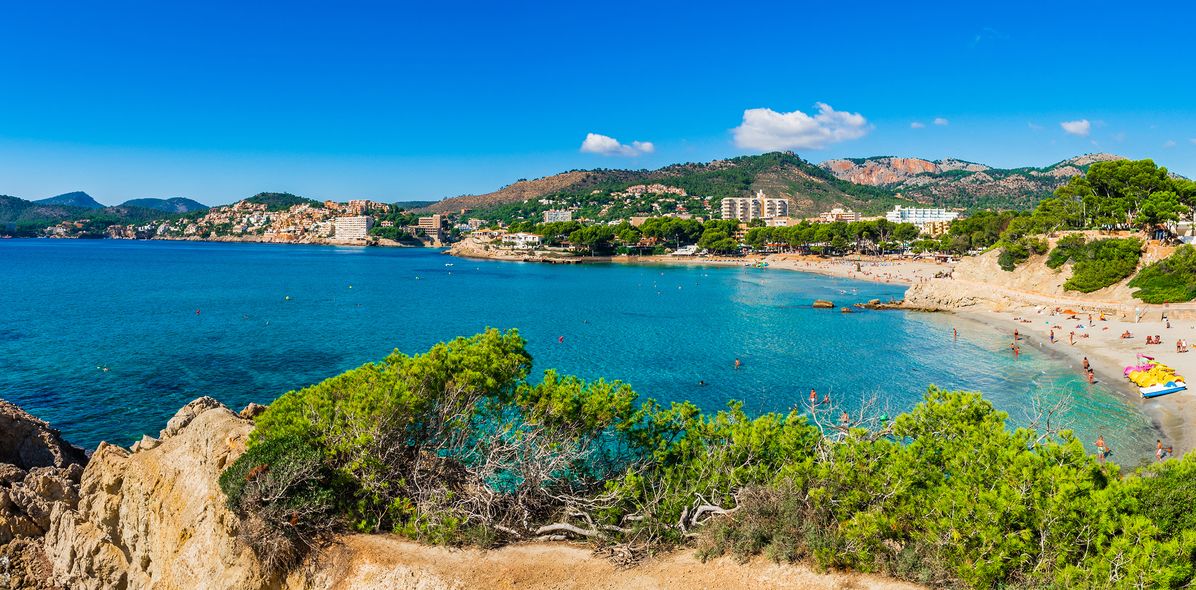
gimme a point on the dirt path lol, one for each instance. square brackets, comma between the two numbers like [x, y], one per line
[380, 561]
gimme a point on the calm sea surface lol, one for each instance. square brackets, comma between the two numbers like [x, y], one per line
[176, 320]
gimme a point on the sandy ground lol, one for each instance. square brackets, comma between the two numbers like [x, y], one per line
[381, 561]
[1108, 353]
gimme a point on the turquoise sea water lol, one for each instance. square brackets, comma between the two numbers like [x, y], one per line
[176, 320]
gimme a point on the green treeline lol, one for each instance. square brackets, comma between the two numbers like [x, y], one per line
[1115, 195]
[458, 446]
[1120, 194]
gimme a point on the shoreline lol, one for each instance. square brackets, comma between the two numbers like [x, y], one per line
[1169, 416]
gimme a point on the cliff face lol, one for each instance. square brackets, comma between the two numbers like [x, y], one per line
[38, 471]
[155, 517]
[957, 183]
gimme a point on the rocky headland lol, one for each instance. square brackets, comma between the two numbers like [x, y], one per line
[153, 516]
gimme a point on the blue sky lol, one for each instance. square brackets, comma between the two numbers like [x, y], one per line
[217, 101]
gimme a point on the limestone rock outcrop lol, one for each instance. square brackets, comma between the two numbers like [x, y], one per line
[26, 441]
[155, 518]
[38, 471]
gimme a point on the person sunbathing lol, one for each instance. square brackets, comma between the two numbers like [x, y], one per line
[1126, 334]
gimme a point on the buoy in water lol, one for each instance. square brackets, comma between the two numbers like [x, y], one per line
[561, 339]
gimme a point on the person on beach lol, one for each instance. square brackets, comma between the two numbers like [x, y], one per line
[1101, 449]
[1052, 336]
[1071, 338]
[954, 334]
[1015, 335]
[1091, 376]
[1086, 365]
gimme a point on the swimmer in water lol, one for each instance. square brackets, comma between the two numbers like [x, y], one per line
[701, 383]
[813, 396]
[738, 364]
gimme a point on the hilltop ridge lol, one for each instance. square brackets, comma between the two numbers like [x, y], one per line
[953, 182]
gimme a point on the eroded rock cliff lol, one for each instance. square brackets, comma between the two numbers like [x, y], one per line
[155, 517]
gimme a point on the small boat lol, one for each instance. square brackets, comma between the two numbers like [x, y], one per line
[1163, 389]
[448, 264]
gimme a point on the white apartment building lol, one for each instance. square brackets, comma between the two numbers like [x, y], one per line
[554, 215]
[757, 207]
[353, 228]
[521, 241]
[920, 217]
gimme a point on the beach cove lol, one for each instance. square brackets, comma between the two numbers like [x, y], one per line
[246, 322]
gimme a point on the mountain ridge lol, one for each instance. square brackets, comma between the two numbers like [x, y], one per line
[957, 183]
[868, 185]
[169, 205]
[72, 199]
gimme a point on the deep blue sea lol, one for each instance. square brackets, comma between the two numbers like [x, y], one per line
[172, 321]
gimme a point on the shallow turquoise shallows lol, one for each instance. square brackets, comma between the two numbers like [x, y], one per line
[243, 323]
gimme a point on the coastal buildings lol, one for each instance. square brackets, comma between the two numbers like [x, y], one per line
[838, 214]
[433, 226]
[521, 241]
[920, 217]
[554, 215]
[356, 227]
[757, 207]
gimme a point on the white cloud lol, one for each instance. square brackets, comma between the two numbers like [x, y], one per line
[941, 122]
[1035, 127]
[1170, 143]
[596, 143]
[1079, 128]
[768, 130]
[917, 125]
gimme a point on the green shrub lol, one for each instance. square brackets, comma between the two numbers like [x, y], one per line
[284, 498]
[456, 446]
[1019, 251]
[1170, 280]
[1066, 249]
[1102, 263]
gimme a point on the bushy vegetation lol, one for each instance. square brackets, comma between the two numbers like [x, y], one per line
[282, 201]
[1119, 194]
[457, 446]
[834, 238]
[976, 232]
[1068, 249]
[1170, 280]
[1019, 251]
[719, 236]
[1101, 263]
[949, 496]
